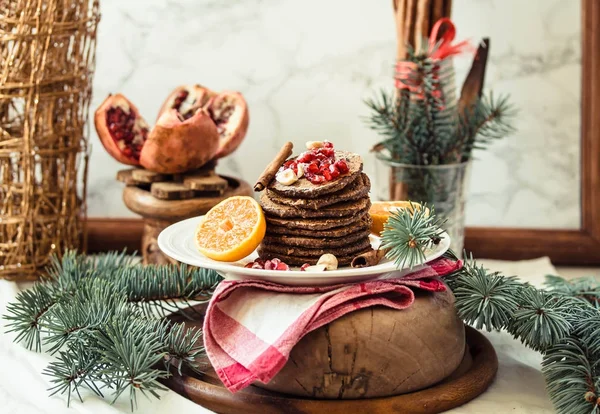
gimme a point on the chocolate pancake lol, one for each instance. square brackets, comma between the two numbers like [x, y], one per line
[363, 224]
[305, 189]
[314, 242]
[357, 189]
[345, 250]
[299, 260]
[315, 224]
[345, 209]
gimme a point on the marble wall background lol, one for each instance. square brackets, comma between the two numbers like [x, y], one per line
[305, 67]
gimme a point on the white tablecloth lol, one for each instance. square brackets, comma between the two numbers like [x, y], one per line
[518, 388]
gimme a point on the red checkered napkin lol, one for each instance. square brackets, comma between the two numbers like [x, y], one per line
[251, 326]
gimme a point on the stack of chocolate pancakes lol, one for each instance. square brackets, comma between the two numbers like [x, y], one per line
[305, 220]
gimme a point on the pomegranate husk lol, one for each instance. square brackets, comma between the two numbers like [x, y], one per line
[176, 146]
[202, 94]
[104, 134]
[237, 125]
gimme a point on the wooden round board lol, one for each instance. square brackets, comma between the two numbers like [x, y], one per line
[471, 378]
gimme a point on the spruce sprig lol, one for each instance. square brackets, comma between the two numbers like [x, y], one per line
[102, 317]
[421, 122]
[408, 233]
[484, 299]
[562, 322]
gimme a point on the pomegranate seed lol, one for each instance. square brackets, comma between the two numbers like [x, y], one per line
[304, 266]
[317, 179]
[313, 168]
[306, 157]
[342, 166]
[327, 144]
[327, 175]
[282, 266]
[335, 173]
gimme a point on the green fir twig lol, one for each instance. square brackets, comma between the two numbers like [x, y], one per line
[408, 233]
[103, 319]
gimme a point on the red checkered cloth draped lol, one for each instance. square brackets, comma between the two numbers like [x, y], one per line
[251, 326]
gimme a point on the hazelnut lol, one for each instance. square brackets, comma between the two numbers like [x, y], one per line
[329, 260]
[315, 268]
[314, 144]
[286, 177]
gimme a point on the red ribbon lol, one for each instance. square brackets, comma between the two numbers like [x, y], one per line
[440, 48]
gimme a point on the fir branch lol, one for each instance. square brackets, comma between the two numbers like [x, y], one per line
[74, 369]
[585, 288]
[483, 299]
[130, 349]
[409, 232]
[487, 120]
[425, 127]
[183, 346]
[100, 318]
[25, 315]
[571, 375]
[540, 321]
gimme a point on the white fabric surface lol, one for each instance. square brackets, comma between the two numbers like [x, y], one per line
[518, 388]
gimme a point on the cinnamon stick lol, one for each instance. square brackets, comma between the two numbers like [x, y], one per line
[269, 173]
[371, 258]
[437, 12]
[399, 17]
[409, 25]
[422, 22]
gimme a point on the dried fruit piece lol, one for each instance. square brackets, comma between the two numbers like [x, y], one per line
[380, 212]
[177, 145]
[229, 243]
[121, 129]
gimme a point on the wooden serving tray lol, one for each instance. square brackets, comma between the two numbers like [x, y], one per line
[471, 378]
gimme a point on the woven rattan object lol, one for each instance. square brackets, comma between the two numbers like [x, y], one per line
[46, 64]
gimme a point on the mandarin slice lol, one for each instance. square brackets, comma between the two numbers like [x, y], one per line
[231, 230]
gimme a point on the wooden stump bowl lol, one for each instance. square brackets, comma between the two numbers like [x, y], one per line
[376, 352]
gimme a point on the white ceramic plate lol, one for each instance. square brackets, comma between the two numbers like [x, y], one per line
[177, 241]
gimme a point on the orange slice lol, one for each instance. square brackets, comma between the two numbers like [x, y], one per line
[231, 230]
[380, 211]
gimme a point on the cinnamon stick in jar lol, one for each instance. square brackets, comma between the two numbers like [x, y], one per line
[269, 173]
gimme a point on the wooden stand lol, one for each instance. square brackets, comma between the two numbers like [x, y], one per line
[166, 199]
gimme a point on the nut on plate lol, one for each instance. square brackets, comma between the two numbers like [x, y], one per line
[329, 261]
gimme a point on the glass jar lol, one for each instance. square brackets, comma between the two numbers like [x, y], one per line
[441, 186]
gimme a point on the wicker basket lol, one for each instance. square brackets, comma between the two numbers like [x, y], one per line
[46, 65]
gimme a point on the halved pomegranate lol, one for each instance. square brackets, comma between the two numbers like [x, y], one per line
[177, 145]
[228, 110]
[174, 145]
[121, 129]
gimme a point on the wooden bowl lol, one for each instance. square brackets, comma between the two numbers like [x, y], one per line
[376, 352]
